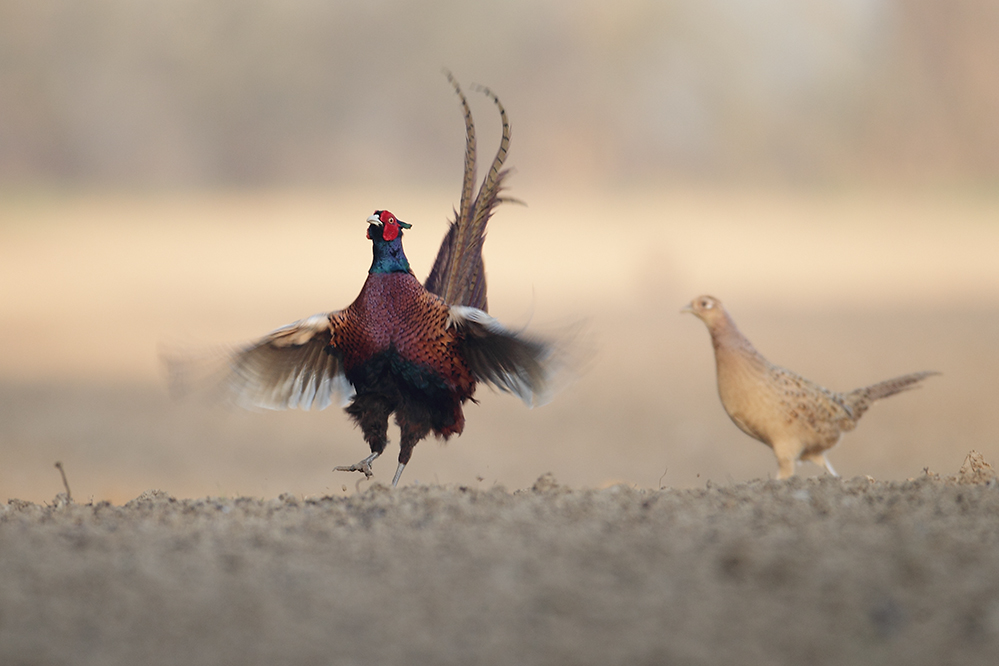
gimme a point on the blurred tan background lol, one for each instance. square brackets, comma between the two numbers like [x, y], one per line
[200, 172]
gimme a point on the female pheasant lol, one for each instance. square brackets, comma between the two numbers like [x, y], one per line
[416, 351]
[795, 417]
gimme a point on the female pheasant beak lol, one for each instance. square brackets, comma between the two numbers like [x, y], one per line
[389, 223]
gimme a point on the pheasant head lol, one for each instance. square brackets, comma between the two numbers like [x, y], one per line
[724, 332]
[706, 308]
[385, 232]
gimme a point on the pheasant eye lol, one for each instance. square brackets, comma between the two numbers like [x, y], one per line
[707, 305]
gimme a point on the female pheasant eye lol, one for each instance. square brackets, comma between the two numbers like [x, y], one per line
[706, 304]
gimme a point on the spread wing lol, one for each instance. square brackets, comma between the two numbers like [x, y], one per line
[293, 366]
[507, 360]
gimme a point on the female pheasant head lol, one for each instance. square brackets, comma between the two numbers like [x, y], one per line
[706, 308]
[723, 330]
[385, 232]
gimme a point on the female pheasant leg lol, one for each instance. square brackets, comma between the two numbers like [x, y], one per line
[787, 452]
[821, 460]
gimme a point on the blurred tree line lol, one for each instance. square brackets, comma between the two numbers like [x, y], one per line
[208, 93]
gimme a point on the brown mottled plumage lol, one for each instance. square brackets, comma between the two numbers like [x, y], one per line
[795, 417]
[401, 347]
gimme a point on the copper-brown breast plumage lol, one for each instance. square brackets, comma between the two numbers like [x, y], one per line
[394, 312]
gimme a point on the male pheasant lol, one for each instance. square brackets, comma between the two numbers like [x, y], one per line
[416, 351]
[798, 419]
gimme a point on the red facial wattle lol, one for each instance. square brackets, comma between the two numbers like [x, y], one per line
[390, 231]
[390, 226]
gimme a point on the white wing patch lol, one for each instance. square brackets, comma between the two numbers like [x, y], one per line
[458, 315]
[299, 332]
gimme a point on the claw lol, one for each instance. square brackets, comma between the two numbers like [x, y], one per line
[363, 466]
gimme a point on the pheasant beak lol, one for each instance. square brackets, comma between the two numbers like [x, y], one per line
[375, 219]
[687, 309]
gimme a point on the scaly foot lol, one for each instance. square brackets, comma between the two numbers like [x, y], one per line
[364, 466]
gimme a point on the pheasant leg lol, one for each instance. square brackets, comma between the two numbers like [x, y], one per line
[821, 460]
[412, 429]
[363, 466]
[785, 467]
[398, 473]
[829, 468]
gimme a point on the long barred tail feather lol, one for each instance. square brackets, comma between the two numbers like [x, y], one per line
[468, 181]
[861, 399]
[488, 197]
[458, 275]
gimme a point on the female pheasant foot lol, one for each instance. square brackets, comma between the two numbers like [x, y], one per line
[821, 460]
[364, 466]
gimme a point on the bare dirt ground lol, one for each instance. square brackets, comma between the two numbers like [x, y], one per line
[818, 571]
[662, 540]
